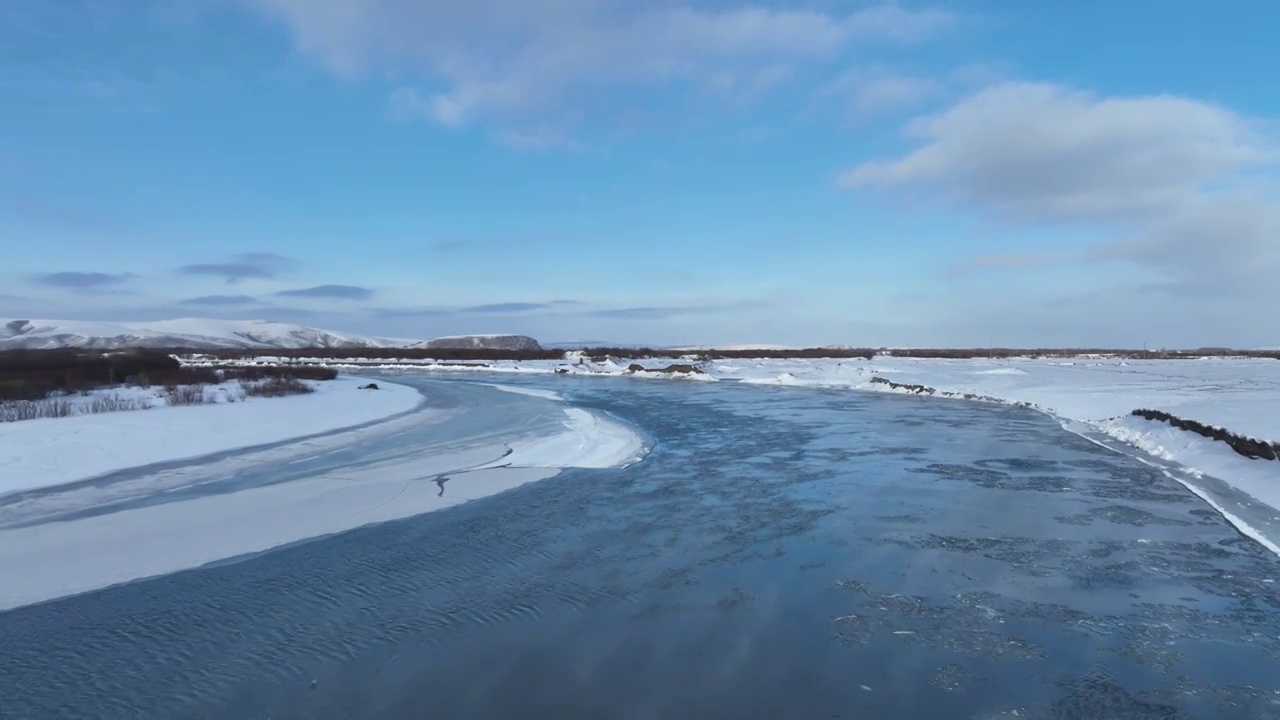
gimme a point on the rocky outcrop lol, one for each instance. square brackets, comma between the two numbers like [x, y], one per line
[679, 370]
[481, 342]
[668, 370]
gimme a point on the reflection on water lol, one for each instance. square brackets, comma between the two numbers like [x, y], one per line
[781, 553]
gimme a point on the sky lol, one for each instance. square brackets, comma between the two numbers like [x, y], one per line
[808, 172]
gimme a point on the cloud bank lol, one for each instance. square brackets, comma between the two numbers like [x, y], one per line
[516, 61]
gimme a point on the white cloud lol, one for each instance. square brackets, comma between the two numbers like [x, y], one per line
[541, 137]
[1216, 245]
[409, 104]
[1187, 187]
[523, 59]
[865, 93]
[892, 22]
[1033, 151]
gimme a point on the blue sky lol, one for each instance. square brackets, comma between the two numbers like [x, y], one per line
[680, 171]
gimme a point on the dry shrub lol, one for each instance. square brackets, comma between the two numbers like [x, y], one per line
[277, 387]
[58, 407]
[183, 376]
[185, 395]
[114, 403]
[16, 410]
[268, 372]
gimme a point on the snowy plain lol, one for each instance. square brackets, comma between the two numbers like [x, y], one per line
[52, 451]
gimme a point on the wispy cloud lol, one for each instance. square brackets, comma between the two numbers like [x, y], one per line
[84, 281]
[504, 308]
[47, 212]
[410, 312]
[334, 292]
[1007, 261]
[247, 266]
[542, 137]
[869, 92]
[220, 301]
[641, 313]
[288, 313]
[522, 63]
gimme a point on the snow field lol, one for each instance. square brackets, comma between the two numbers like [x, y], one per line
[46, 452]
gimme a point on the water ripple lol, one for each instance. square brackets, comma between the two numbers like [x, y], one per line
[780, 554]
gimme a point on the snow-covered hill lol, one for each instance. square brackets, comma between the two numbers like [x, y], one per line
[480, 342]
[198, 333]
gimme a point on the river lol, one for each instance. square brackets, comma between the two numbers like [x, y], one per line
[780, 553]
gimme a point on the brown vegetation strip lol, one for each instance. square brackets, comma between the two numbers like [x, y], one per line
[36, 374]
[32, 375]
[926, 390]
[1246, 446]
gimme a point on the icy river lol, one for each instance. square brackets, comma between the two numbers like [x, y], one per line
[779, 553]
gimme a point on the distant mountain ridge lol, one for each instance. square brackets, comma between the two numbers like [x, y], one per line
[479, 342]
[193, 333]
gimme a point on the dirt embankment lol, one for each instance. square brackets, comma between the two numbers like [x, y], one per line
[926, 390]
[1246, 446]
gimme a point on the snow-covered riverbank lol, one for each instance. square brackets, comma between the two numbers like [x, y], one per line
[471, 443]
[42, 453]
[1241, 396]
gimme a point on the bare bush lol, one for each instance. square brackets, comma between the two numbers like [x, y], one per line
[184, 376]
[114, 403]
[183, 395]
[58, 407]
[16, 410]
[267, 372]
[277, 387]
